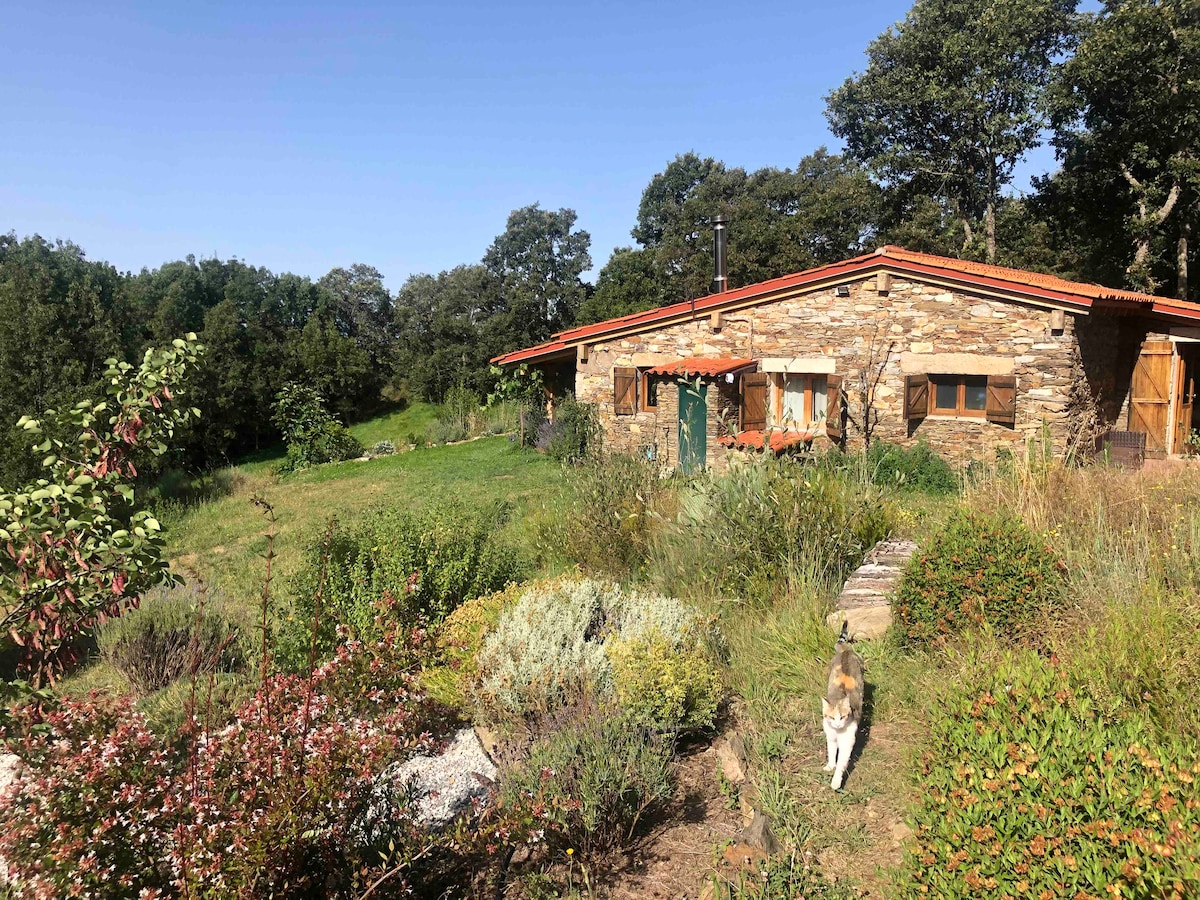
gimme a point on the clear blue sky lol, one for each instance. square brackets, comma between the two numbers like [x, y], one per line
[302, 137]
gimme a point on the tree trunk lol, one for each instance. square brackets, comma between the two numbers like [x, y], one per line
[1181, 288]
[989, 226]
[989, 213]
[1146, 224]
[968, 232]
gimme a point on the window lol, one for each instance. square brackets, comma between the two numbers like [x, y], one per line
[649, 391]
[959, 395]
[800, 400]
[991, 397]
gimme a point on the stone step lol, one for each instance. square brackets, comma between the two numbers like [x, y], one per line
[864, 623]
[863, 602]
[859, 583]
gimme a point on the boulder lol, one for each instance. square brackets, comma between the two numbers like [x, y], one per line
[865, 622]
[758, 835]
[11, 769]
[731, 751]
[437, 788]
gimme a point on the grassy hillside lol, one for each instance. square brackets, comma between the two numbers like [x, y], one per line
[221, 540]
[396, 427]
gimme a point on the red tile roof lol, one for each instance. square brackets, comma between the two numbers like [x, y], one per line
[702, 365]
[1016, 282]
[777, 440]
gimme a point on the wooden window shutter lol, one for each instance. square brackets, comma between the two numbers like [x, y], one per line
[754, 401]
[833, 407]
[1002, 399]
[624, 391]
[916, 397]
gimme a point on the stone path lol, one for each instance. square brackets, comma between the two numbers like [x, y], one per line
[864, 599]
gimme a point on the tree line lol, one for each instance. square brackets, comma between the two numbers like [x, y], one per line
[950, 101]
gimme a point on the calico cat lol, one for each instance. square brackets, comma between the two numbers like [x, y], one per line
[842, 706]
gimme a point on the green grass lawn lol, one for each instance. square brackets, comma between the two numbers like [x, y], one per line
[222, 540]
[397, 426]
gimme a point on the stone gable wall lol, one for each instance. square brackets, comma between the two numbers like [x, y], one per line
[918, 320]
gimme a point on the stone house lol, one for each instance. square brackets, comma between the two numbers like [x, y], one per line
[966, 356]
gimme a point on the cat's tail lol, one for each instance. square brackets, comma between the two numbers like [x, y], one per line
[844, 637]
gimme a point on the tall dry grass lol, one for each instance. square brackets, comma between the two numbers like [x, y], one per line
[1129, 632]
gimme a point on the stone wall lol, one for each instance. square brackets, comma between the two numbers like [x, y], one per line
[917, 326]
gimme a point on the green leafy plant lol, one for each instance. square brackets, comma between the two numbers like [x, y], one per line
[916, 468]
[383, 448]
[1026, 790]
[74, 550]
[312, 434]
[588, 786]
[418, 563]
[979, 570]
[521, 385]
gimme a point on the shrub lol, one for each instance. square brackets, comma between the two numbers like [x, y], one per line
[767, 528]
[574, 434]
[269, 805]
[87, 818]
[1027, 791]
[422, 563]
[312, 434]
[588, 785]
[659, 683]
[166, 639]
[556, 646]
[383, 448]
[607, 526]
[916, 468]
[979, 570]
[459, 641]
[74, 549]
[447, 431]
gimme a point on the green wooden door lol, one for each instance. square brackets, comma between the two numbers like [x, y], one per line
[693, 427]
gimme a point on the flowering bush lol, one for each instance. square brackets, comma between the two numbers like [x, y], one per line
[89, 818]
[978, 570]
[1028, 792]
[268, 804]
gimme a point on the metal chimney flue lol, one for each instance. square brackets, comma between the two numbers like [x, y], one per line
[720, 247]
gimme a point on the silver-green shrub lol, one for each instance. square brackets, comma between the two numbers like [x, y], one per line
[557, 646]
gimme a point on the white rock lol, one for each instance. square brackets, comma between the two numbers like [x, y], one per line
[438, 788]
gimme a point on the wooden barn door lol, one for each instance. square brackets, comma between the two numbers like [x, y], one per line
[1150, 394]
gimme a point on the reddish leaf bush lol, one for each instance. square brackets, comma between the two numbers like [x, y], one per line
[1027, 791]
[977, 571]
[269, 804]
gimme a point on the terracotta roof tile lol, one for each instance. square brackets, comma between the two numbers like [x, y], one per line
[776, 439]
[702, 365]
